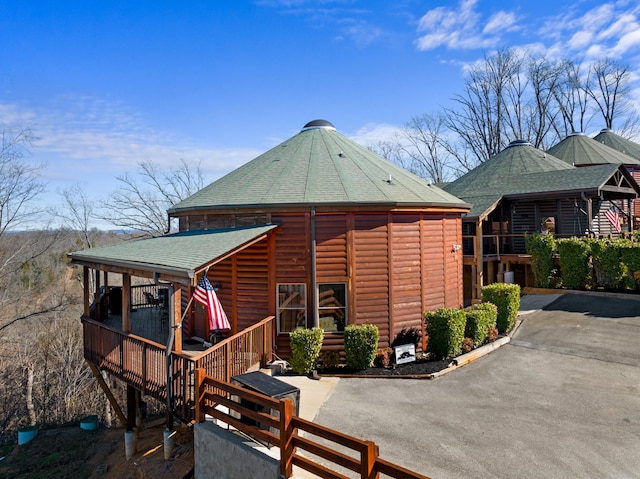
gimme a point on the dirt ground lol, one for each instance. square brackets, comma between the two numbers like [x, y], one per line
[70, 452]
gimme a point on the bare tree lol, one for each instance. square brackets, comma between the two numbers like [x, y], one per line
[422, 142]
[19, 181]
[608, 86]
[483, 121]
[141, 202]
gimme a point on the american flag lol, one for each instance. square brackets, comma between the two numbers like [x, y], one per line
[612, 215]
[206, 296]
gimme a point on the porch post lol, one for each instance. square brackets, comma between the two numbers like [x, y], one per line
[175, 316]
[126, 303]
[86, 294]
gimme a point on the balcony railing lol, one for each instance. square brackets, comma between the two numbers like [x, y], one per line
[142, 363]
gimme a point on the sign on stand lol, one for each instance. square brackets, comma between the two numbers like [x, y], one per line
[405, 353]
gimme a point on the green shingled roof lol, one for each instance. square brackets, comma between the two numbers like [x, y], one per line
[580, 150]
[181, 254]
[521, 170]
[318, 166]
[619, 143]
[499, 171]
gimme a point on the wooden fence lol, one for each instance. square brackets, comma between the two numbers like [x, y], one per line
[278, 426]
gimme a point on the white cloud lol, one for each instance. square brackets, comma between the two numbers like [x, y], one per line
[462, 27]
[373, 133]
[91, 142]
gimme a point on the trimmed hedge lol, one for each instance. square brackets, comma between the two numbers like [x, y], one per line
[360, 345]
[506, 297]
[607, 268]
[480, 317]
[305, 348]
[630, 258]
[445, 328]
[541, 248]
[574, 254]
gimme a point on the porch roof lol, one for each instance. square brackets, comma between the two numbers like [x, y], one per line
[180, 255]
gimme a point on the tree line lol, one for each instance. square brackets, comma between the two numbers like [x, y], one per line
[509, 95]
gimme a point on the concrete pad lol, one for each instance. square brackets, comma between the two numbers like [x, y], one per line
[313, 393]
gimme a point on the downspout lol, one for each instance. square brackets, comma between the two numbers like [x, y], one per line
[589, 211]
[314, 282]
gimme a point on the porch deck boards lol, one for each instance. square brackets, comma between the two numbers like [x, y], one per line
[152, 322]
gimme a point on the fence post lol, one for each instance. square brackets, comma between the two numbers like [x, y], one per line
[368, 461]
[199, 375]
[286, 438]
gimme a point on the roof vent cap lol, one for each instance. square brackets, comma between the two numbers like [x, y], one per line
[315, 124]
[519, 143]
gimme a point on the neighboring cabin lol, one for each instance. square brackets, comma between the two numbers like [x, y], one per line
[525, 190]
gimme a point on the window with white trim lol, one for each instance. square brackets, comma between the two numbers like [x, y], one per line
[332, 306]
[292, 307]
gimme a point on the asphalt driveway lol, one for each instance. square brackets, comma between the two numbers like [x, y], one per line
[561, 400]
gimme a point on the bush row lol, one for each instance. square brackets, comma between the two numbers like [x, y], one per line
[360, 346]
[453, 331]
[585, 263]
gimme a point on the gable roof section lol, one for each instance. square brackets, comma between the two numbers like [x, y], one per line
[182, 254]
[612, 140]
[580, 150]
[318, 166]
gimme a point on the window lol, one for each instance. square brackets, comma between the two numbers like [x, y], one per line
[332, 306]
[292, 307]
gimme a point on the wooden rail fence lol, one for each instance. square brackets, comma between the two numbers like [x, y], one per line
[277, 425]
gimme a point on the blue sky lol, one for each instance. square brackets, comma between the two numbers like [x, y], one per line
[105, 85]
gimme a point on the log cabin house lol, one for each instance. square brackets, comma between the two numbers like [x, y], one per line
[525, 190]
[318, 231]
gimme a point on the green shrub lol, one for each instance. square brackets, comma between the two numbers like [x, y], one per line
[305, 348]
[445, 328]
[574, 254]
[541, 248]
[607, 267]
[360, 345]
[480, 317]
[630, 258]
[506, 297]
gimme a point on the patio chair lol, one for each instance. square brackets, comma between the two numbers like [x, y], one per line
[151, 299]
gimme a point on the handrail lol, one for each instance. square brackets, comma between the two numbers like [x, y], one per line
[279, 416]
[142, 363]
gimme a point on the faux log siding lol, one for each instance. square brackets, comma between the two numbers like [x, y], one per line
[371, 276]
[433, 273]
[331, 248]
[252, 285]
[452, 233]
[292, 249]
[406, 266]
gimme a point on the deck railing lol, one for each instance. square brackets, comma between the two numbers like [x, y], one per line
[142, 363]
[279, 426]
